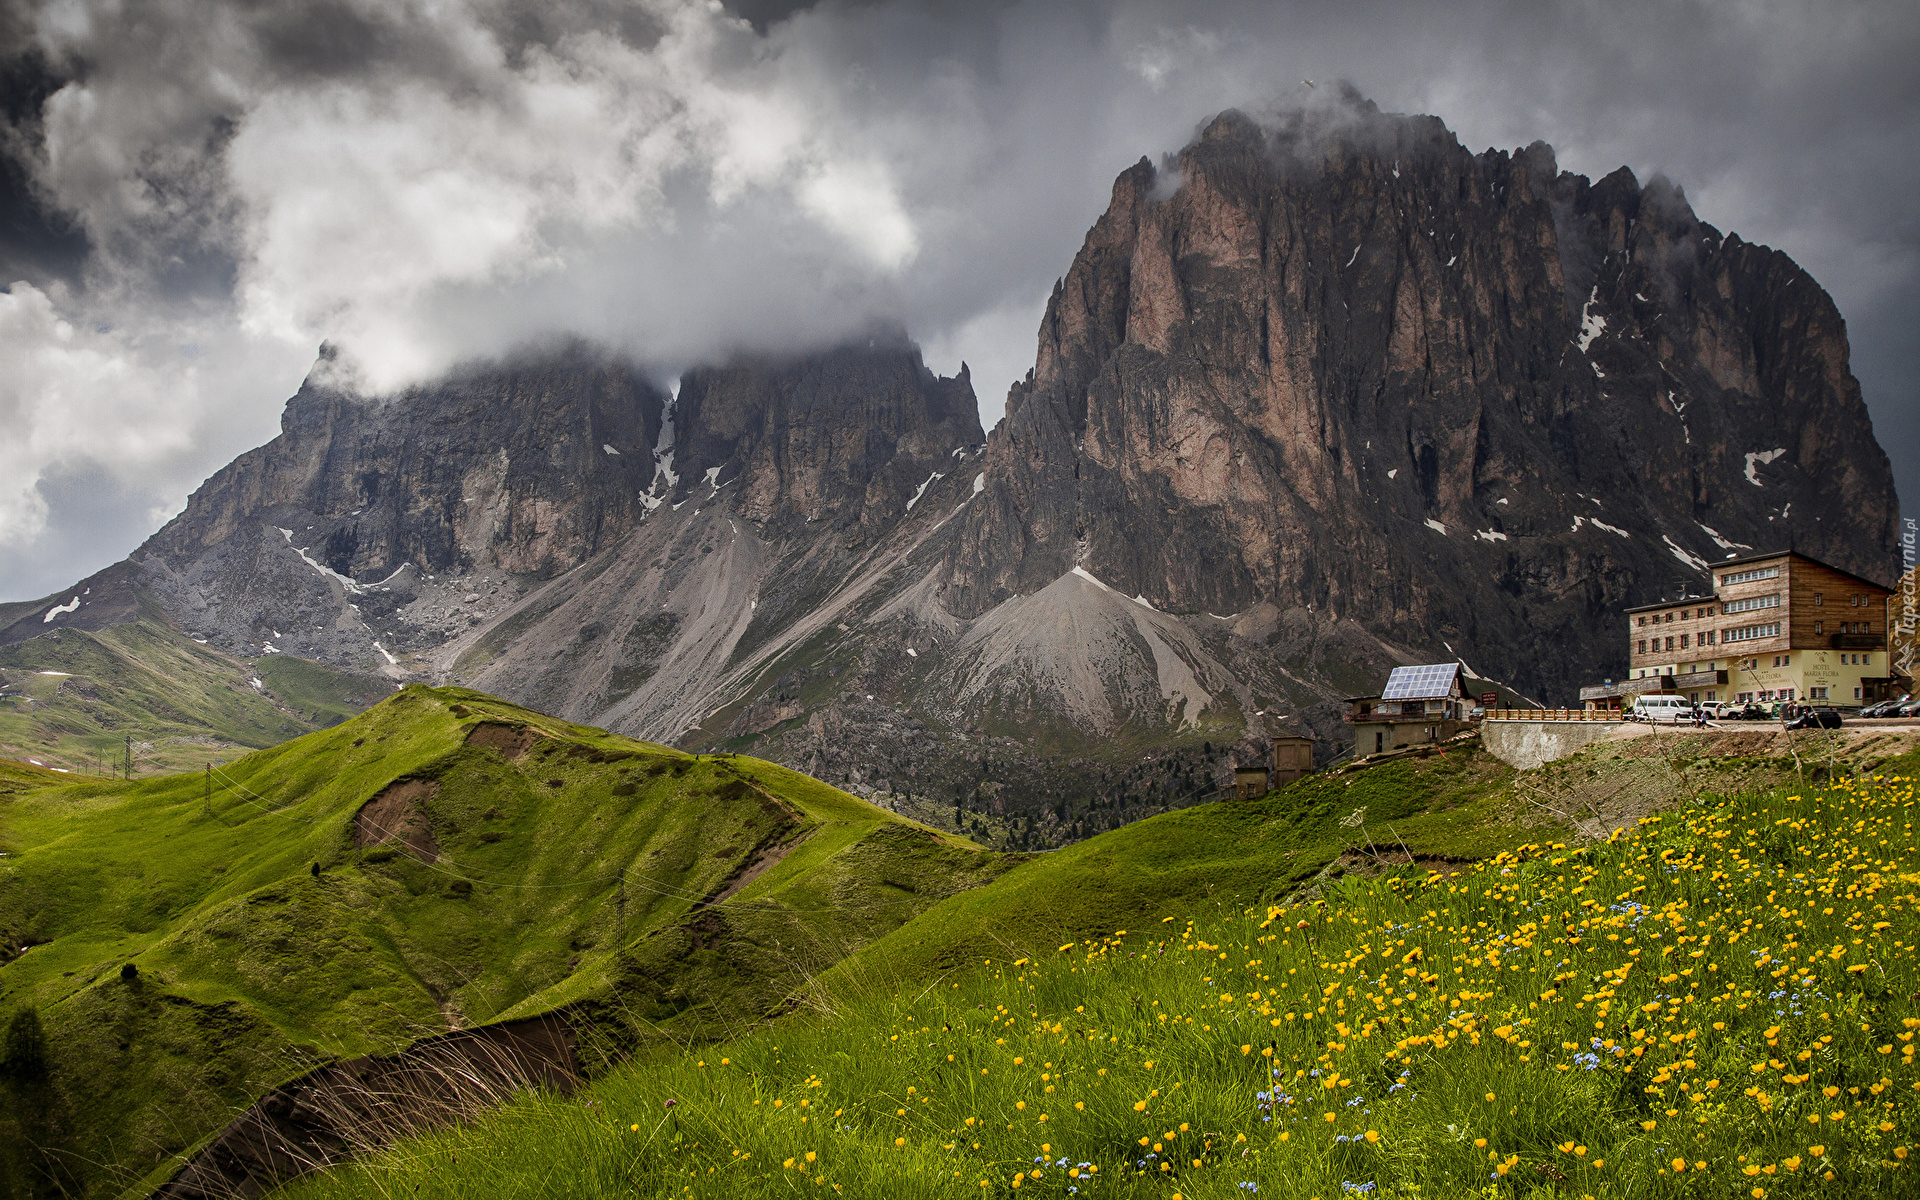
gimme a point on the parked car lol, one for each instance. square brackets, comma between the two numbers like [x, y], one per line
[1661, 710]
[1816, 718]
[1887, 708]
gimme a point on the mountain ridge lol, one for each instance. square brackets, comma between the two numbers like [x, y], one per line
[1325, 394]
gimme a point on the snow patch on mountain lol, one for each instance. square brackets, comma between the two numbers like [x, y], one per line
[1760, 458]
[1592, 324]
[1723, 543]
[922, 490]
[1688, 557]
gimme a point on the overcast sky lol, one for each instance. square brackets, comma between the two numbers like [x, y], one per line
[195, 194]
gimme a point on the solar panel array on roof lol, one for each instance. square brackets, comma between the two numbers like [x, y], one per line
[1421, 683]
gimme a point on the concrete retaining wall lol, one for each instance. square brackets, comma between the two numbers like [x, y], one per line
[1530, 744]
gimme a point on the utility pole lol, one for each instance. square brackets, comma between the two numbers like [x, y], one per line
[129, 756]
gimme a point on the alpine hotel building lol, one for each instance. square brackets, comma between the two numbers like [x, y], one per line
[1777, 627]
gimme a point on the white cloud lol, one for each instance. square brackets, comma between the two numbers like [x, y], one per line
[137, 404]
[56, 389]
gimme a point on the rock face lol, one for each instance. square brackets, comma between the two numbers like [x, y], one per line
[1326, 395]
[531, 466]
[847, 436]
[508, 474]
[788, 493]
[1466, 404]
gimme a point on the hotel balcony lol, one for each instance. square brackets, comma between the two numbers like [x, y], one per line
[1655, 683]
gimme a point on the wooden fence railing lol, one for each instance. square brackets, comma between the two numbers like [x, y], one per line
[1553, 714]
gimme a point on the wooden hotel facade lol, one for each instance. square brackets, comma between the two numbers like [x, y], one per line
[1777, 627]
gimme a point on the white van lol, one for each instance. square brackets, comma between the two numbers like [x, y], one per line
[1661, 709]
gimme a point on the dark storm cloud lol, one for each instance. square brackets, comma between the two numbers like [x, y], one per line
[203, 191]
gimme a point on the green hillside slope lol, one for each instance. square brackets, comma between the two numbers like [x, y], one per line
[443, 860]
[17, 776]
[73, 698]
[1454, 806]
[1441, 808]
[1716, 1001]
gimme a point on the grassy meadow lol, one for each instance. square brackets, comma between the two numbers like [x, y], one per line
[1719, 1000]
[73, 699]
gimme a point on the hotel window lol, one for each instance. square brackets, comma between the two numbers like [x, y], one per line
[1818, 693]
[1683, 641]
[1706, 639]
[1817, 625]
[1818, 600]
[1643, 646]
[1669, 643]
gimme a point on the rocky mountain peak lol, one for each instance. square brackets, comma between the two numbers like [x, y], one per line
[1332, 362]
[528, 465]
[847, 434]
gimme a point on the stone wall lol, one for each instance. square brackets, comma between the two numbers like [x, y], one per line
[1529, 744]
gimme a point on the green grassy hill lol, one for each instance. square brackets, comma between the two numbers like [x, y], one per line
[1452, 807]
[443, 860]
[1714, 1002]
[17, 777]
[72, 698]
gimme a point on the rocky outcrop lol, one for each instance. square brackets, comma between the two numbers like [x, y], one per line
[846, 437]
[1469, 405]
[787, 492]
[498, 476]
[530, 466]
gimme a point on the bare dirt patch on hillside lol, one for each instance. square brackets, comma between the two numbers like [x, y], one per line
[510, 740]
[396, 815]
